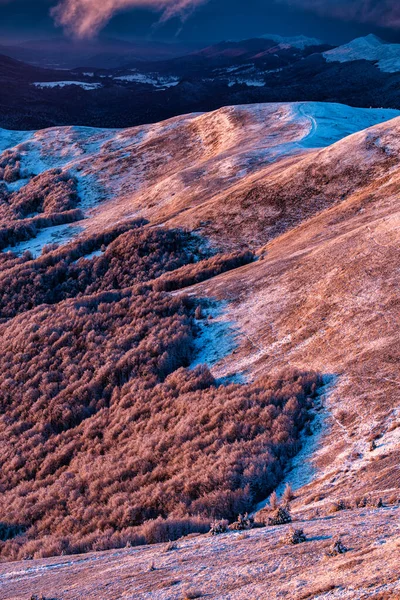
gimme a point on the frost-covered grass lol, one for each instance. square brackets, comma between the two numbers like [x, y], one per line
[231, 566]
[217, 340]
[113, 165]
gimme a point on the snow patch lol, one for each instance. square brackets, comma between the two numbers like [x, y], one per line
[371, 48]
[153, 79]
[59, 234]
[246, 81]
[301, 470]
[298, 41]
[61, 84]
[217, 340]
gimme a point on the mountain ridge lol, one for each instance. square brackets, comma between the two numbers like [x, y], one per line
[371, 48]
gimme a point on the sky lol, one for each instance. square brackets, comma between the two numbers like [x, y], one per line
[334, 21]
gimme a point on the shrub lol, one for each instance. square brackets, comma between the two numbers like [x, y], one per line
[191, 274]
[337, 506]
[288, 494]
[26, 229]
[294, 537]
[170, 546]
[51, 192]
[273, 501]
[243, 522]
[198, 314]
[108, 438]
[336, 548]
[218, 527]
[280, 517]
[368, 501]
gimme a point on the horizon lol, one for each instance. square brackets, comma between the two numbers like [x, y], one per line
[104, 38]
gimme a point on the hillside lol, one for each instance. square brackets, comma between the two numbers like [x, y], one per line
[181, 171]
[260, 241]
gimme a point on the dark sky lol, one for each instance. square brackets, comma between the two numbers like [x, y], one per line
[216, 20]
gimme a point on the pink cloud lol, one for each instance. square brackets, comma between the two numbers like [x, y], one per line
[85, 18]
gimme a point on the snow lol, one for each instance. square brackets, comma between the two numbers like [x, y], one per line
[298, 41]
[93, 254]
[371, 48]
[9, 139]
[150, 79]
[301, 470]
[60, 84]
[330, 122]
[249, 82]
[15, 186]
[242, 74]
[59, 234]
[217, 340]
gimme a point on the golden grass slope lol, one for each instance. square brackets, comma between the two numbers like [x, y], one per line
[212, 172]
[325, 296]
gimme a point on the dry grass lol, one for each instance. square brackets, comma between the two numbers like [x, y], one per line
[257, 566]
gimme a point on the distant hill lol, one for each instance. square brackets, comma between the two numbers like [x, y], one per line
[103, 52]
[133, 91]
[370, 48]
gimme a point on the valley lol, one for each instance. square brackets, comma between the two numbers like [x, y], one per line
[125, 90]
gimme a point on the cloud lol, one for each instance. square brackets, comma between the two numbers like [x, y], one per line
[383, 13]
[85, 18]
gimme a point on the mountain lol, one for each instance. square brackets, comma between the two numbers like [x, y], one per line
[192, 314]
[268, 47]
[298, 41]
[225, 149]
[370, 48]
[104, 52]
[12, 70]
[240, 72]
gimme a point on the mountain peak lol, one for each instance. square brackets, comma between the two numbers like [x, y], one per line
[298, 41]
[370, 48]
[371, 40]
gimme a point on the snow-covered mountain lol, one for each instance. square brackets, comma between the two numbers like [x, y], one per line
[273, 68]
[371, 48]
[298, 41]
